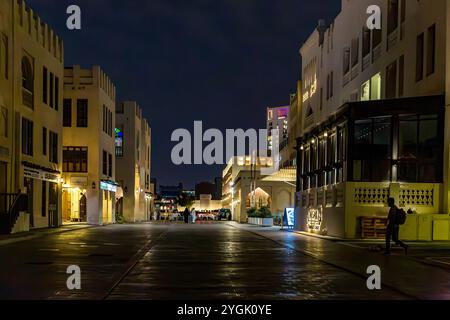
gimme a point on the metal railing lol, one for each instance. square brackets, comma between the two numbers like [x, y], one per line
[11, 205]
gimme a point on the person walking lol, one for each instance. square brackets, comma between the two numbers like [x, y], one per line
[194, 215]
[393, 227]
[186, 215]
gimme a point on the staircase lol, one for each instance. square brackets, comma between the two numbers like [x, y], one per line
[11, 205]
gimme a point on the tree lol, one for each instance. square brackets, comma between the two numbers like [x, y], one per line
[185, 200]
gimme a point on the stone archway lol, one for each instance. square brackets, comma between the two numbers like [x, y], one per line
[259, 198]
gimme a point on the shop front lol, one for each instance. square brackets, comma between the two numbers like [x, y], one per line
[74, 208]
[42, 188]
[108, 192]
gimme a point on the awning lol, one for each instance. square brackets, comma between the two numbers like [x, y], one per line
[288, 174]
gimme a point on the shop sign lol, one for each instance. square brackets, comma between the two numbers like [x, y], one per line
[108, 186]
[79, 181]
[39, 174]
[314, 220]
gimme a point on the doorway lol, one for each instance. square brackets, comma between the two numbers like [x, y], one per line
[29, 190]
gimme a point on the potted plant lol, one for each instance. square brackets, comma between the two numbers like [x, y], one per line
[261, 217]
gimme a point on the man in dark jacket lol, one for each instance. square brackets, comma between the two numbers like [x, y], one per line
[393, 228]
[186, 215]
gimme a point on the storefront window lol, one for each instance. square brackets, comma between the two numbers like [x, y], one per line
[418, 149]
[372, 150]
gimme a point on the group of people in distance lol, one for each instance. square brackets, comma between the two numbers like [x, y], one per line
[189, 216]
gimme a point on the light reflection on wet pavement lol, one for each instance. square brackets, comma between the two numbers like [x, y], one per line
[163, 261]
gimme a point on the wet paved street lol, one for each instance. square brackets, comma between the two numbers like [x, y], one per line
[172, 261]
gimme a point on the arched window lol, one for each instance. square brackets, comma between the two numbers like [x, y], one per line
[27, 82]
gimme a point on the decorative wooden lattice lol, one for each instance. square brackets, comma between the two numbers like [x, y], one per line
[371, 196]
[421, 197]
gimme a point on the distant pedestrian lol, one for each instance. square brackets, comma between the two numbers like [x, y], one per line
[393, 226]
[194, 215]
[186, 215]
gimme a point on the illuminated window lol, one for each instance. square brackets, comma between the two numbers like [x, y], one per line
[365, 91]
[375, 87]
[269, 115]
[119, 142]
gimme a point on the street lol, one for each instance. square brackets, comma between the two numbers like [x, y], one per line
[175, 261]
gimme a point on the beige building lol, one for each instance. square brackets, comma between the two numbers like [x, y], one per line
[244, 188]
[133, 154]
[373, 121]
[88, 146]
[31, 73]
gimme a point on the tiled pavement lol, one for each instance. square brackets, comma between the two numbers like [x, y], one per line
[206, 261]
[222, 261]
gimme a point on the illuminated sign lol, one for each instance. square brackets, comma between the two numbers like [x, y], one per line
[39, 174]
[289, 217]
[108, 186]
[314, 220]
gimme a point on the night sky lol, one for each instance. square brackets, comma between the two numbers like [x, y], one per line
[219, 61]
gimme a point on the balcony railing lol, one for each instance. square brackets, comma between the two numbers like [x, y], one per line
[392, 39]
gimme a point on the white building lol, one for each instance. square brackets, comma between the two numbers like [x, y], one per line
[373, 121]
[133, 154]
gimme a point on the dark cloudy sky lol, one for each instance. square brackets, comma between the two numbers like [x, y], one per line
[219, 61]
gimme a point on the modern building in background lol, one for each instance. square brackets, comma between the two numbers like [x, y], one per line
[89, 193]
[373, 121]
[277, 118]
[133, 162]
[31, 73]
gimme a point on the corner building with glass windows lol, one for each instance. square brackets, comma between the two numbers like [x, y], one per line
[89, 189]
[374, 122]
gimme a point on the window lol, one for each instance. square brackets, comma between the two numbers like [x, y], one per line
[392, 15]
[431, 50]
[376, 38]
[104, 118]
[67, 113]
[44, 199]
[375, 87]
[52, 92]
[355, 52]
[56, 93]
[372, 152]
[365, 41]
[419, 57]
[346, 61]
[365, 91]
[27, 83]
[419, 149]
[53, 140]
[75, 159]
[105, 163]
[391, 80]
[27, 137]
[4, 55]
[45, 85]
[3, 122]
[82, 113]
[110, 165]
[44, 141]
[119, 142]
[401, 76]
